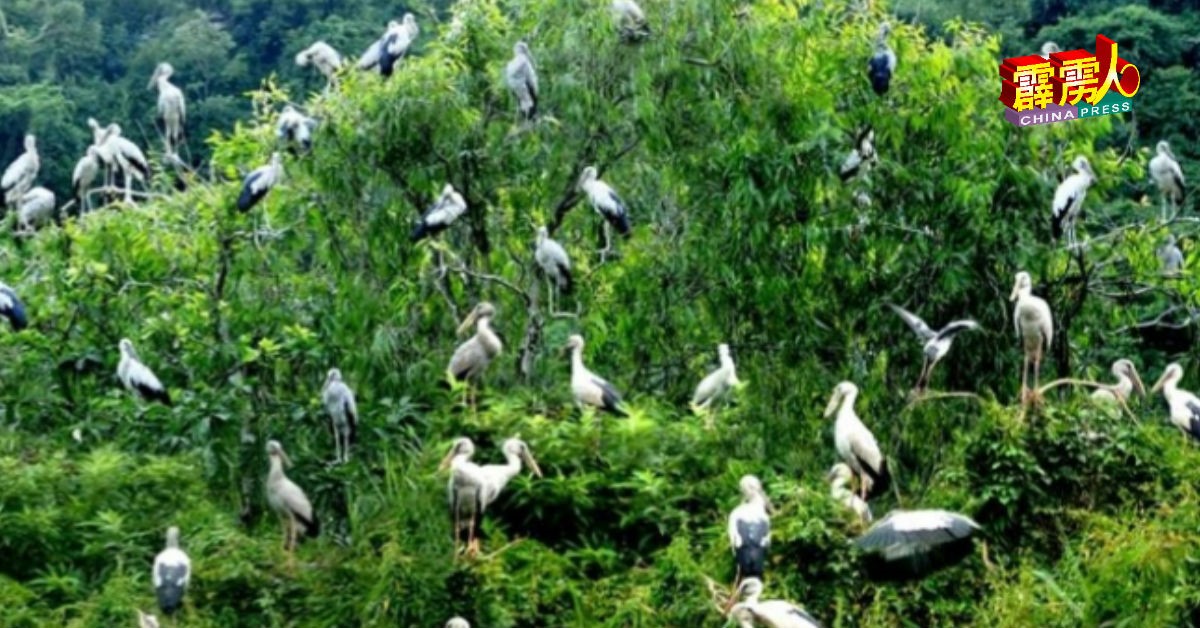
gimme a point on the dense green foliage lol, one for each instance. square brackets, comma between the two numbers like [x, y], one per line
[724, 131]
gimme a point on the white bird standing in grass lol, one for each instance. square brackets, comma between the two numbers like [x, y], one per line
[448, 208]
[1068, 200]
[591, 389]
[1035, 327]
[522, 80]
[100, 135]
[12, 308]
[37, 206]
[473, 356]
[323, 57]
[770, 613]
[129, 159]
[1184, 406]
[256, 185]
[83, 176]
[20, 174]
[856, 444]
[552, 258]
[1128, 382]
[172, 572]
[138, 378]
[294, 128]
[630, 19]
[861, 156]
[1171, 257]
[1166, 173]
[908, 544]
[466, 489]
[840, 477]
[497, 476]
[716, 384]
[606, 203]
[883, 61]
[172, 108]
[288, 500]
[936, 343]
[750, 530]
[343, 413]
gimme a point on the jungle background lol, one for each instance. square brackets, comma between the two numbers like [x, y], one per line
[724, 131]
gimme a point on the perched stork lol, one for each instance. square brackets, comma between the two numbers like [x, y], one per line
[1049, 48]
[883, 61]
[391, 47]
[1171, 257]
[716, 384]
[449, 206]
[343, 413]
[840, 477]
[522, 80]
[138, 378]
[1128, 382]
[936, 343]
[1185, 407]
[856, 444]
[457, 622]
[591, 389]
[20, 174]
[630, 19]
[294, 128]
[1035, 327]
[288, 500]
[172, 571]
[323, 57]
[606, 203]
[552, 258]
[12, 308]
[129, 159]
[910, 544]
[770, 613]
[1068, 200]
[473, 356]
[84, 175]
[497, 476]
[1166, 173]
[750, 530]
[146, 621]
[100, 136]
[37, 206]
[861, 156]
[256, 185]
[172, 109]
[466, 489]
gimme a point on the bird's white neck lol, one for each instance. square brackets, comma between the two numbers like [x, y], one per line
[276, 472]
[511, 466]
[1124, 387]
[577, 360]
[846, 408]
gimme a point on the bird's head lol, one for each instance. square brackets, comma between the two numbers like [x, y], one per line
[1164, 148]
[126, 347]
[1081, 164]
[839, 474]
[748, 590]
[518, 447]
[93, 124]
[334, 375]
[483, 311]
[1022, 285]
[589, 174]
[30, 142]
[275, 450]
[173, 536]
[885, 29]
[542, 234]
[1126, 368]
[841, 392]
[461, 447]
[146, 621]
[1170, 377]
[574, 343]
[521, 49]
[162, 71]
[723, 351]
[1050, 48]
[457, 622]
[447, 192]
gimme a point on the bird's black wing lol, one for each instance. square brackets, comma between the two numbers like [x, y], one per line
[751, 556]
[1194, 423]
[914, 322]
[352, 420]
[880, 73]
[150, 393]
[803, 615]
[15, 311]
[952, 330]
[170, 591]
[610, 397]
[250, 196]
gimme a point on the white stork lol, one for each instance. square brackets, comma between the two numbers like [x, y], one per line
[449, 206]
[909, 544]
[522, 80]
[19, 175]
[288, 500]
[630, 19]
[840, 477]
[473, 356]
[100, 135]
[936, 343]
[716, 384]
[1166, 173]
[591, 389]
[552, 258]
[172, 572]
[1068, 200]
[1184, 406]
[1171, 257]
[146, 620]
[457, 622]
[256, 185]
[12, 308]
[84, 175]
[1035, 327]
[391, 47]
[323, 57]
[172, 108]
[138, 378]
[883, 61]
[36, 207]
[1049, 48]
[466, 489]
[497, 476]
[343, 413]
[294, 128]
[861, 157]
[750, 530]
[128, 157]
[856, 444]
[1128, 382]
[606, 203]
[770, 613]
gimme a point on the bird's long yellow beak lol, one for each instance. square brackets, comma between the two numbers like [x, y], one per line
[1162, 381]
[533, 465]
[1137, 382]
[445, 463]
[468, 322]
[834, 402]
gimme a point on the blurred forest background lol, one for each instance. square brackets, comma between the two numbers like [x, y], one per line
[724, 131]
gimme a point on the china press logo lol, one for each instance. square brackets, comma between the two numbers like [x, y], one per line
[1068, 85]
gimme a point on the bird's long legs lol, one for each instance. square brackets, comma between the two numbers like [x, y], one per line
[922, 381]
[607, 242]
[1024, 379]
